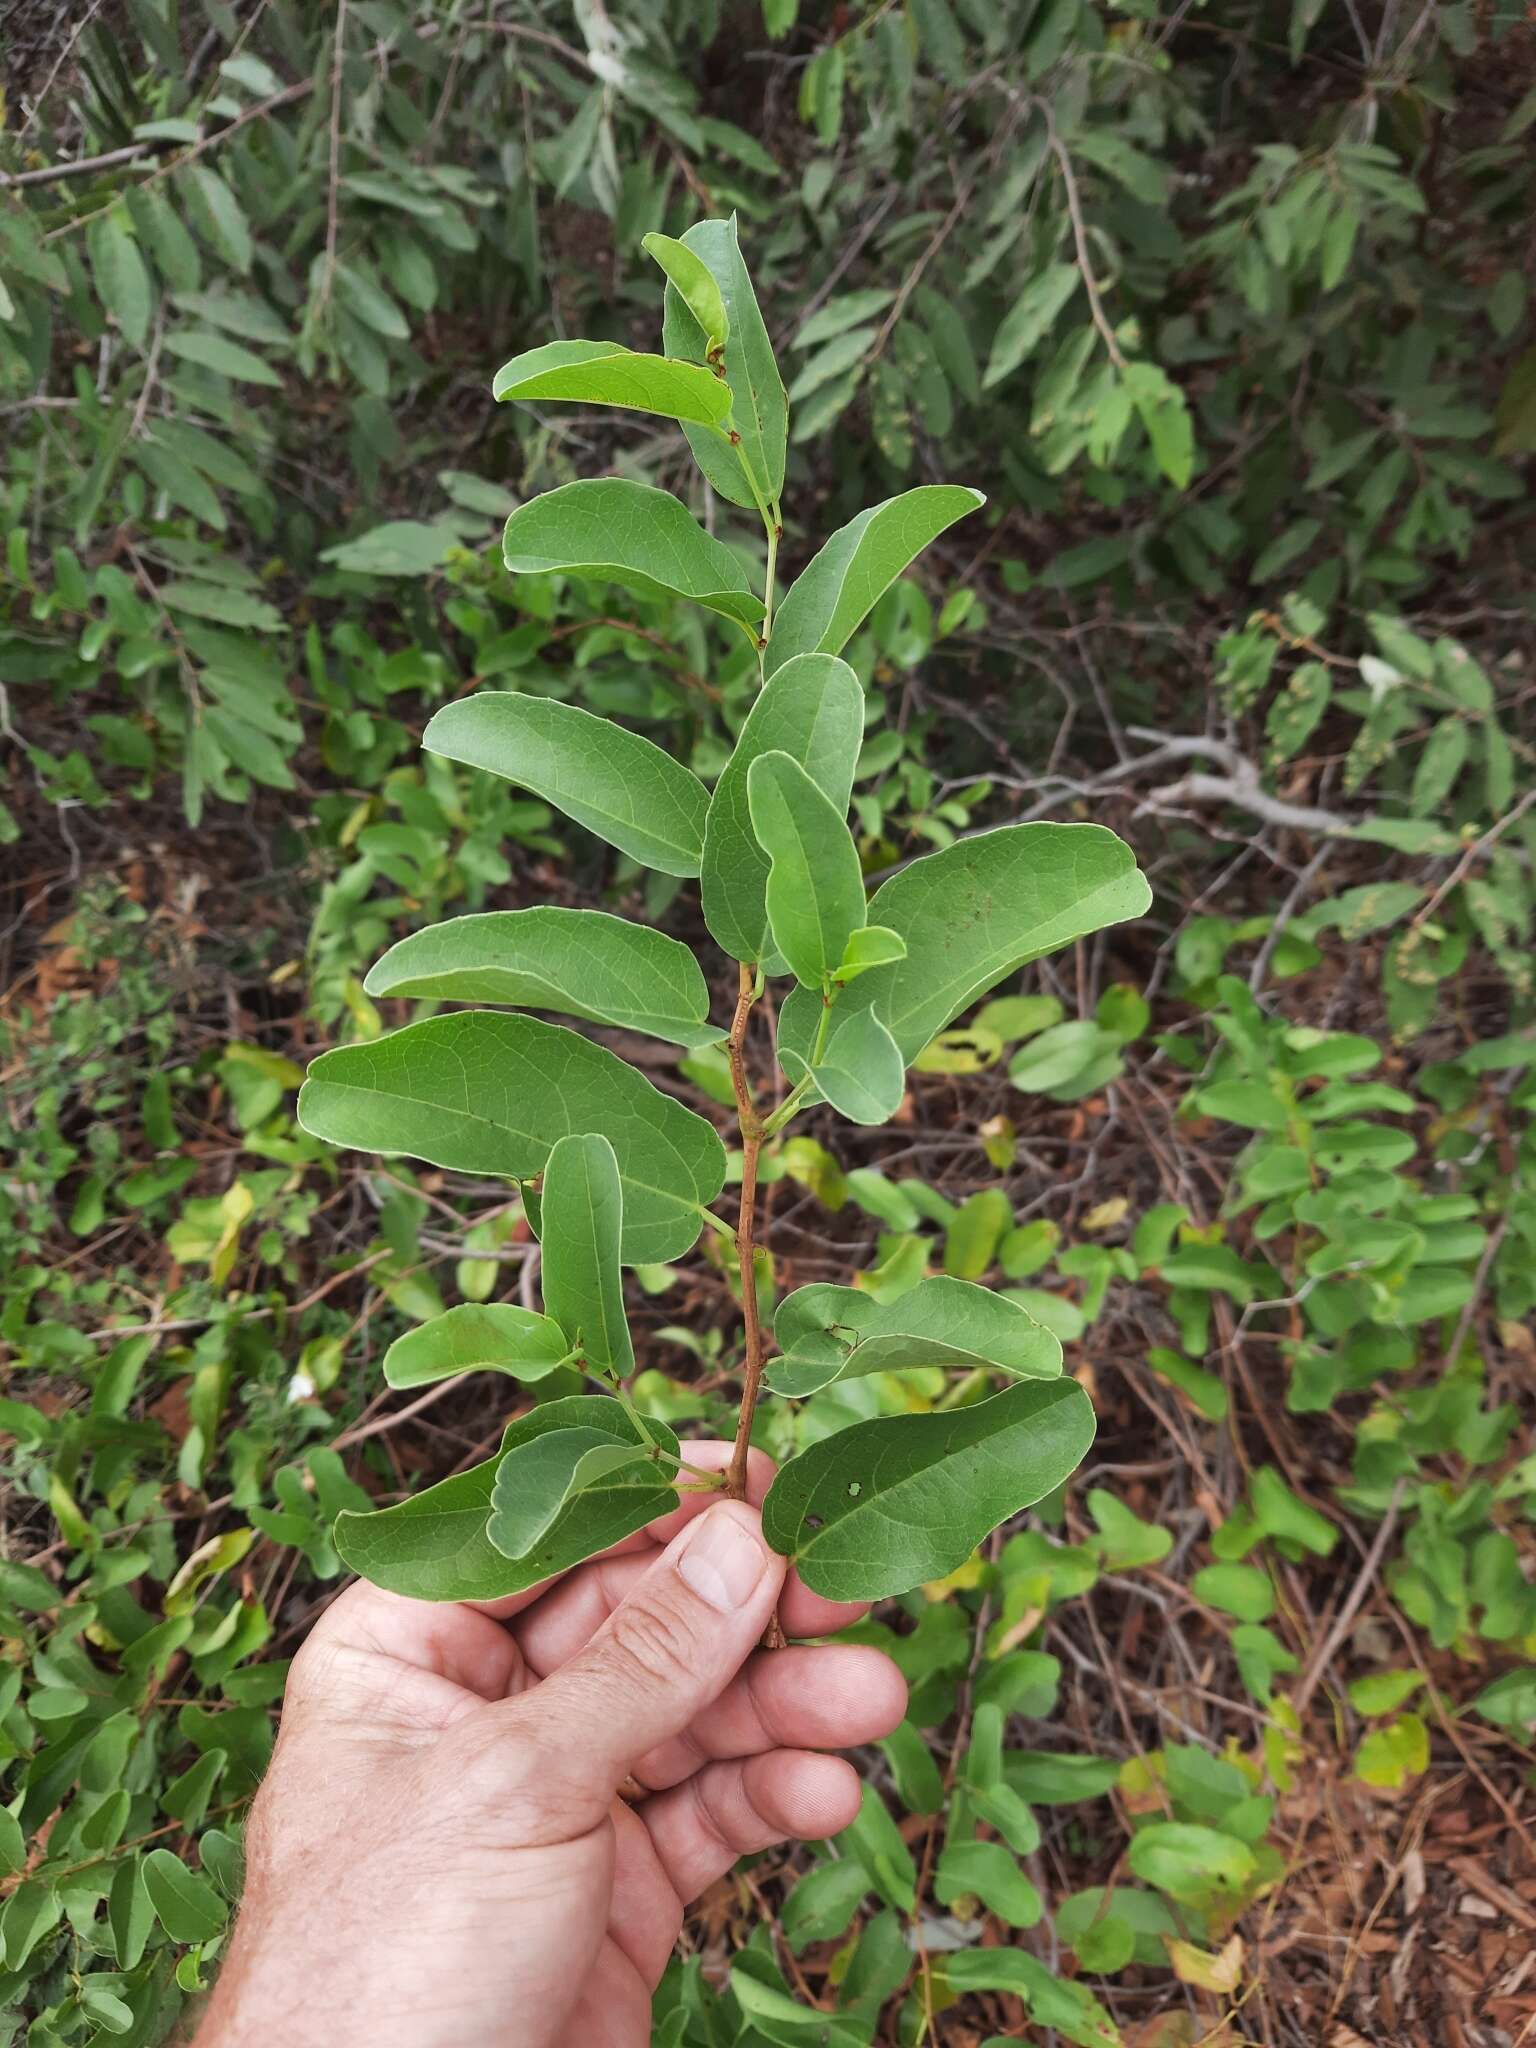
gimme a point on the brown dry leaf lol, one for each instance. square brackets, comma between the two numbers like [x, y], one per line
[1346, 2037]
[1181, 2030]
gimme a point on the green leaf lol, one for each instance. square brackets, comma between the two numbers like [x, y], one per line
[584, 963]
[830, 1333]
[605, 373]
[484, 1093]
[832, 597]
[561, 1474]
[1515, 415]
[989, 1872]
[228, 607]
[188, 1907]
[872, 945]
[1053, 2001]
[1125, 1540]
[759, 409]
[1195, 1865]
[1394, 1752]
[477, 1337]
[815, 888]
[883, 1506]
[813, 711]
[1164, 414]
[1383, 1692]
[120, 272]
[400, 547]
[1510, 1702]
[228, 358]
[1240, 1590]
[972, 914]
[823, 1902]
[616, 783]
[874, 1841]
[32, 1911]
[974, 1233]
[1029, 319]
[691, 275]
[434, 1546]
[218, 217]
[860, 1071]
[630, 534]
[581, 1227]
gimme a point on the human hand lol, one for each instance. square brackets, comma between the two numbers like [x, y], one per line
[438, 1854]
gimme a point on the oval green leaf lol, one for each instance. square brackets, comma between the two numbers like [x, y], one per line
[974, 913]
[872, 945]
[483, 1093]
[812, 710]
[188, 1907]
[563, 1472]
[1195, 1865]
[832, 1333]
[629, 533]
[604, 373]
[434, 1546]
[815, 890]
[581, 1227]
[493, 1336]
[585, 963]
[833, 596]
[883, 1506]
[618, 784]
[759, 409]
[860, 1072]
[688, 271]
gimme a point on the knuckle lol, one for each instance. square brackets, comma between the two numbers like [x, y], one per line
[653, 1643]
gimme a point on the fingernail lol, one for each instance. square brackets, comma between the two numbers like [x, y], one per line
[724, 1562]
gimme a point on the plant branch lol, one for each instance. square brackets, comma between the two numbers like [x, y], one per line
[1101, 319]
[751, 1147]
[333, 191]
[54, 174]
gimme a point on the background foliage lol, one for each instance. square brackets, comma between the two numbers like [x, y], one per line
[1227, 309]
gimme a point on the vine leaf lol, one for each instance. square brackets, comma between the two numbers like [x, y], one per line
[686, 269]
[581, 1227]
[812, 710]
[563, 1473]
[754, 388]
[884, 1506]
[434, 1546]
[832, 1333]
[586, 963]
[815, 889]
[604, 373]
[872, 945]
[631, 534]
[833, 596]
[488, 1336]
[973, 914]
[488, 1093]
[618, 784]
[860, 1072]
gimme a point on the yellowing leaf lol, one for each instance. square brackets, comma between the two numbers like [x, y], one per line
[1222, 1972]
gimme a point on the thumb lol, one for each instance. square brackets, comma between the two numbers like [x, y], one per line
[663, 1654]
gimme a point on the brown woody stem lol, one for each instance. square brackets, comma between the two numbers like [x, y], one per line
[751, 1146]
[752, 1135]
